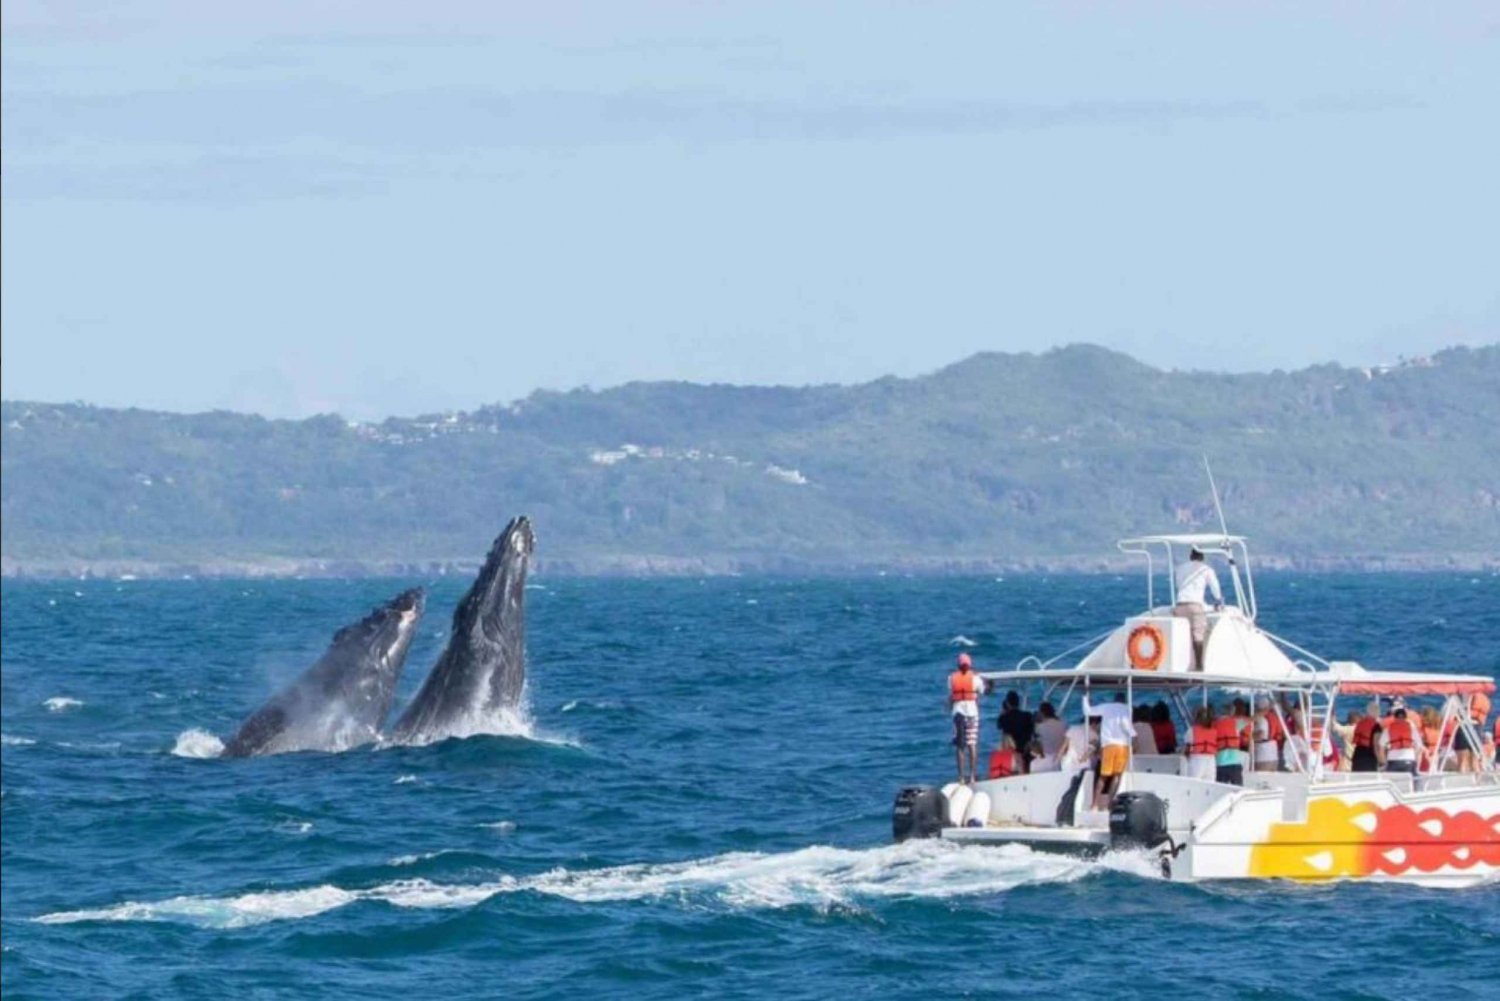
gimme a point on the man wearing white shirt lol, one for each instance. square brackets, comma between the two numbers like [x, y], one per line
[1116, 733]
[1195, 580]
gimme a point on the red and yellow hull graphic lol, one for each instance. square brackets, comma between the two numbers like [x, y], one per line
[1340, 840]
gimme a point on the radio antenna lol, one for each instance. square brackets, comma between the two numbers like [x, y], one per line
[1223, 525]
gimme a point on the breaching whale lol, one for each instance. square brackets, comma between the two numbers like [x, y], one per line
[483, 668]
[340, 701]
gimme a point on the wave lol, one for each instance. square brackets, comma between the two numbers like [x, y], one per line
[197, 743]
[819, 877]
[61, 703]
[12, 740]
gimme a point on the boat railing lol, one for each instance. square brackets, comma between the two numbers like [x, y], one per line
[1314, 663]
[1032, 662]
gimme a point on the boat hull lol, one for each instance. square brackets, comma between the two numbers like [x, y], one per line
[1375, 828]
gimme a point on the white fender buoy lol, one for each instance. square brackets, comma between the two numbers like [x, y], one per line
[978, 813]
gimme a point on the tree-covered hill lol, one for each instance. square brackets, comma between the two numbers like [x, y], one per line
[998, 460]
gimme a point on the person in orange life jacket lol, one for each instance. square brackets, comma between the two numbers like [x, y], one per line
[964, 689]
[1232, 739]
[1400, 744]
[1432, 728]
[1201, 746]
[1367, 742]
[1268, 737]
[1005, 760]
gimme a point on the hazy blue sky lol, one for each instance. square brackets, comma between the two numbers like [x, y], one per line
[384, 207]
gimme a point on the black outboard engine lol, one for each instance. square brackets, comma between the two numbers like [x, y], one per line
[1138, 820]
[920, 812]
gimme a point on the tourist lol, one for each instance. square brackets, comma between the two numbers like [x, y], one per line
[1163, 728]
[1367, 741]
[1116, 734]
[1017, 724]
[964, 688]
[1268, 736]
[1231, 732]
[1145, 737]
[1080, 746]
[1051, 733]
[1432, 731]
[1004, 761]
[1201, 746]
[1343, 734]
[1194, 579]
[1401, 744]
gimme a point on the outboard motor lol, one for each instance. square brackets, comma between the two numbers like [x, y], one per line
[920, 812]
[1138, 820]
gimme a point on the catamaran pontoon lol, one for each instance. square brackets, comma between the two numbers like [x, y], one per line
[1308, 822]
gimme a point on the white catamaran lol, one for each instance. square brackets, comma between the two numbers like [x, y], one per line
[1306, 821]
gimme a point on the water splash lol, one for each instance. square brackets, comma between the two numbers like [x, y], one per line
[197, 743]
[61, 703]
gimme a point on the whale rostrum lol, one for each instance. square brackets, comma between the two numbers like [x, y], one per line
[341, 701]
[483, 669]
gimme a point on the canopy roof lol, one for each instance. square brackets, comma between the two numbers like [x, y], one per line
[1188, 539]
[1355, 680]
[1350, 678]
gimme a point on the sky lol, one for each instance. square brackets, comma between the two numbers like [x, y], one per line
[383, 207]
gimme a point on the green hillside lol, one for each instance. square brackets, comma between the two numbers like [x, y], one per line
[997, 460]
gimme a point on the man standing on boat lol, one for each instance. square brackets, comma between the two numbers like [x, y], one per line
[1116, 735]
[964, 688]
[1194, 580]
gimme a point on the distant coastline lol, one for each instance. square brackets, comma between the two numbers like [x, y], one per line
[997, 464]
[662, 566]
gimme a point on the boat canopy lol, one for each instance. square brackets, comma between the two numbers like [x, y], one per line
[1203, 540]
[1355, 680]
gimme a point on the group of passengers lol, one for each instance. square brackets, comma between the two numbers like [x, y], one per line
[1404, 739]
[1221, 744]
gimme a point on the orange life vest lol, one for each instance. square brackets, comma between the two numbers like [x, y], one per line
[1364, 732]
[1479, 707]
[1275, 732]
[1400, 734]
[1204, 740]
[1002, 763]
[961, 686]
[1227, 733]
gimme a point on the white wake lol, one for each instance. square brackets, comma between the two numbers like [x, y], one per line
[818, 877]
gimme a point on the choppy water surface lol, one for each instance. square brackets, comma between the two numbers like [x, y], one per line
[699, 802]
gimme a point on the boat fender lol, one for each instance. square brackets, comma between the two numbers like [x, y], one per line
[920, 812]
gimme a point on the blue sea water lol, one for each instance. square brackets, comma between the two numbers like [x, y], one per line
[698, 806]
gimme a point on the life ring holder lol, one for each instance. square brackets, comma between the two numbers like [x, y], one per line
[1143, 660]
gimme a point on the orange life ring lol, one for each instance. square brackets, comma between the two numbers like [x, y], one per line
[1146, 661]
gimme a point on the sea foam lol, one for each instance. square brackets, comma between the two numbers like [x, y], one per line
[822, 878]
[197, 743]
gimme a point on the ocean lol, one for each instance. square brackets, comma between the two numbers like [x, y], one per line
[697, 803]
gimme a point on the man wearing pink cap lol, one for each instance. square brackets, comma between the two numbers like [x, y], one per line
[964, 688]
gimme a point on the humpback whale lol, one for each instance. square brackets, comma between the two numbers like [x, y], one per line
[341, 700]
[483, 668]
